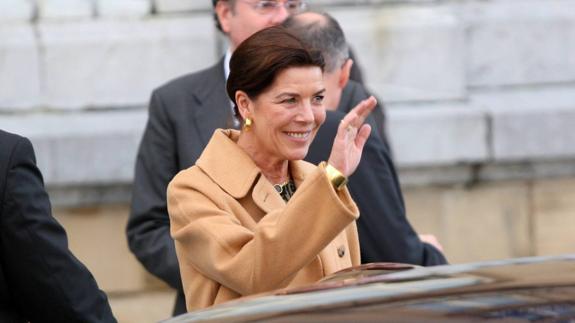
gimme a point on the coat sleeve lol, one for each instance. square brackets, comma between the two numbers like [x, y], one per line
[267, 257]
[47, 282]
[148, 229]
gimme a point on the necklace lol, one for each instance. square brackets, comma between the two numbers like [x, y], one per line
[286, 189]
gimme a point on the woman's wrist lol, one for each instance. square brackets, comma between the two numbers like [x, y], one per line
[337, 179]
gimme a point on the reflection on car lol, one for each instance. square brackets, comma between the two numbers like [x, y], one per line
[535, 289]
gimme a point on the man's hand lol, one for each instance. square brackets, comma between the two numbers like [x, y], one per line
[432, 240]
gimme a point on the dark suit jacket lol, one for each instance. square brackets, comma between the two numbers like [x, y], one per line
[183, 115]
[40, 279]
[384, 231]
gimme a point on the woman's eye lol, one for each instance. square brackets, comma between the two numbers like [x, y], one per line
[289, 101]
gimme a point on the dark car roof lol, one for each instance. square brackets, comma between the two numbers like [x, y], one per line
[522, 289]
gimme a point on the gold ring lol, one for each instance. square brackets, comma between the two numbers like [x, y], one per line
[350, 128]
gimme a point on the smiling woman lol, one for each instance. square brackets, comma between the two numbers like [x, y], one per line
[281, 94]
[251, 216]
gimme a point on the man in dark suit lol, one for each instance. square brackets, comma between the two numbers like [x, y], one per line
[40, 279]
[384, 232]
[183, 115]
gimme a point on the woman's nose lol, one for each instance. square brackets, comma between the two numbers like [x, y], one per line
[306, 113]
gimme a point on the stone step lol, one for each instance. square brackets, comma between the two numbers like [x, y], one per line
[439, 136]
[19, 67]
[123, 8]
[181, 6]
[14, 11]
[407, 53]
[452, 138]
[106, 63]
[82, 149]
[519, 42]
[57, 10]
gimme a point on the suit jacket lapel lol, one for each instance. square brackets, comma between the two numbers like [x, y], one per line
[214, 109]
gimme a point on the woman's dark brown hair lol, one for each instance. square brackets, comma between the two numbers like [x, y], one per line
[259, 59]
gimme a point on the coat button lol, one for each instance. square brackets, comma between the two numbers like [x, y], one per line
[341, 251]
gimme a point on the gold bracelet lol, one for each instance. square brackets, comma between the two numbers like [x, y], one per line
[337, 179]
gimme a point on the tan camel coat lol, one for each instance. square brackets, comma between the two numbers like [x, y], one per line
[235, 235]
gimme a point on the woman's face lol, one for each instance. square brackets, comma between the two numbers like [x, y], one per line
[288, 114]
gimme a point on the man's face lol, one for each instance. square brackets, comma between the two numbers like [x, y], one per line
[242, 18]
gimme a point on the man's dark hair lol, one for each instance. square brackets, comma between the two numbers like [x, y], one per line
[216, 20]
[258, 60]
[324, 35]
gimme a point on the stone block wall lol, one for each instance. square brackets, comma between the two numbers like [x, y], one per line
[497, 220]
[410, 53]
[480, 99]
[469, 86]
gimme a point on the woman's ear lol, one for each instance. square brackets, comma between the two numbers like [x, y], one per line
[244, 104]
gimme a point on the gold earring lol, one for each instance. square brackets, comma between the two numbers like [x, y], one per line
[248, 124]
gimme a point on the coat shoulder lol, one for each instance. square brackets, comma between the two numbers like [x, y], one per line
[183, 177]
[193, 178]
[9, 142]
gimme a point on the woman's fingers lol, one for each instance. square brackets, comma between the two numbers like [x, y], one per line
[356, 117]
[351, 136]
[366, 106]
[362, 136]
[363, 109]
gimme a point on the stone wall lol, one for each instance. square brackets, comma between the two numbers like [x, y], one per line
[475, 90]
[480, 99]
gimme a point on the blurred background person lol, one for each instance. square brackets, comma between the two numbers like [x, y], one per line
[40, 279]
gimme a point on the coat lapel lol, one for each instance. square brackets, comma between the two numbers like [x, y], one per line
[235, 172]
[228, 165]
[214, 107]
[266, 197]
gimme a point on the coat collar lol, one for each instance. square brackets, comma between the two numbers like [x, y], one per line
[236, 173]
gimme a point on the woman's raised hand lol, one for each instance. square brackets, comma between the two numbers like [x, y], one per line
[351, 137]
